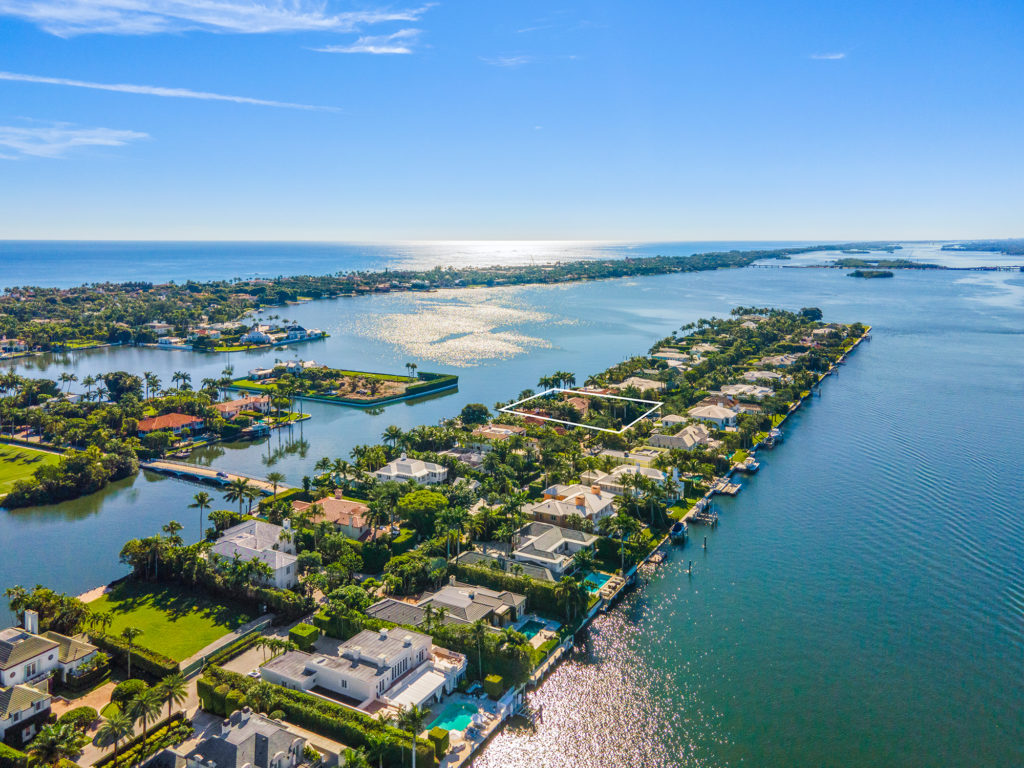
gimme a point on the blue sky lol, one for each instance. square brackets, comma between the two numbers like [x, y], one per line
[224, 119]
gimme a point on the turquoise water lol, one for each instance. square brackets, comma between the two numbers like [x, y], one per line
[531, 628]
[454, 717]
[595, 580]
[861, 601]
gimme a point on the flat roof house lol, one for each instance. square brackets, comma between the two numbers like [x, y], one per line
[404, 469]
[399, 667]
[256, 540]
[551, 547]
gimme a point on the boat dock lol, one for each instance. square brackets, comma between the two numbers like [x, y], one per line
[209, 475]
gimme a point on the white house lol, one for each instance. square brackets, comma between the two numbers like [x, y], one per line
[28, 657]
[298, 333]
[612, 482]
[714, 414]
[256, 335]
[160, 329]
[687, 438]
[399, 667]
[762, 376]
[23, 711]
[404, 469]
[747, 390]
[550, 546]
[640, 383]
[672, 419]
[561, 501]
[261, 373]
[256, 540]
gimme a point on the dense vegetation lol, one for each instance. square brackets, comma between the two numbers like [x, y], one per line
[48, 318]
[870, 273]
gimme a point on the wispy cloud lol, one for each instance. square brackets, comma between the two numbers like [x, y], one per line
[155, 90]
[57, 139]
[67, 18]
[397, 42]
[828, 56]
[507, 61]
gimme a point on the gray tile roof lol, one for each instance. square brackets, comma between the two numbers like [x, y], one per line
[396, 611]
[18, 698]
[17, 646]
[484, 561]
[71, 649]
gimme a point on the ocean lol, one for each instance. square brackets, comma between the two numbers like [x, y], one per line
[861, 601]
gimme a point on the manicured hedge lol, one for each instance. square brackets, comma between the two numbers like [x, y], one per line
[441, 739]
[494, 686]
[154, 664]
[79, 717]
[127, 690]
[165, 734]
[304, 635]
[316, 714]
[12, 758]
[540, 595]
[236, 648]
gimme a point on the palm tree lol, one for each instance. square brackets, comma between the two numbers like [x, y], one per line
[114, 729]
[152, 382]
[102, 621]
[89, 382]
[356, 758]
[376, 746]
[54, 743]
[174, 690]
[237, 490]
[392, 435]
[572, 594]
[171, 529]
[201, 501]
[145, 707]
[412, 719]
[130, 634]
[275, 479]
[477, 633]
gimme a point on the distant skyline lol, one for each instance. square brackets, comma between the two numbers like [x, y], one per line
[598, 121]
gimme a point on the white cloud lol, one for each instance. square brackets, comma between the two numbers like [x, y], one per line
[828, 56]
[67, 18]
[397, 42]
[155, 90]
[58, 139]
[508, 61]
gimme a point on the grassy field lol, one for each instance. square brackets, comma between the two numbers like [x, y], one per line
[17, 462]
[175, 622]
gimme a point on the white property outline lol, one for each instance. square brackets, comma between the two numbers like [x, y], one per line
[511, 406]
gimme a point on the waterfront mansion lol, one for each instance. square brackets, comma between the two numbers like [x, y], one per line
[398, 667]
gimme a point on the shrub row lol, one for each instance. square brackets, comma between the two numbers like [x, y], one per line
[237, 648]
[220, 690]
[11, 757]
[540, 595]
[154, 664]
[165, 734]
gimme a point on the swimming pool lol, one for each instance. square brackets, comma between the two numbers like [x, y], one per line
[531, 628]
[456, 716]
[595, 580]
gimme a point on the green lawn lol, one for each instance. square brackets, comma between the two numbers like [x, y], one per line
[175, 621]
[17, 462]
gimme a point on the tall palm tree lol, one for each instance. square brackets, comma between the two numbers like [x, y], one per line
[275, 479]
[201, 501]
[477, 633]
[152, 382]
[102, 621]
[173, 689]
[130, 634]
[393, 435]
[572, 594]
[114, 729]
[237, 490]
[54, 743]
[146, 707]
[411, 719]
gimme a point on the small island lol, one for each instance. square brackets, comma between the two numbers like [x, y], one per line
[870, 273]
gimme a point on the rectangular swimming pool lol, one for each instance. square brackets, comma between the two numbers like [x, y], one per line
[531, 628]
[456, 716]
[595, 580]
